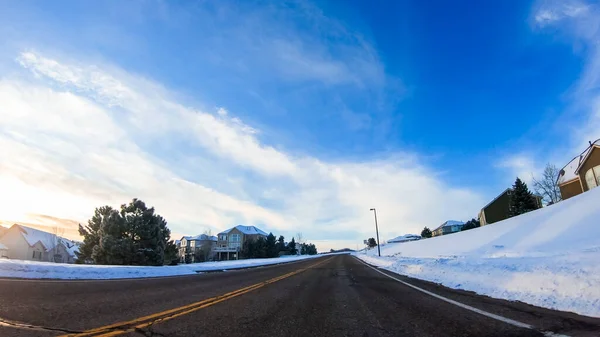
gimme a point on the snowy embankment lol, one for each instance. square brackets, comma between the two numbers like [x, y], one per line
[549, 257]
[47, 270]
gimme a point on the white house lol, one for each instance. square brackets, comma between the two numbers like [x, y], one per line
[26, 243]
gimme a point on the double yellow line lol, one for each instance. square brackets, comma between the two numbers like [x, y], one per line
[143, 322]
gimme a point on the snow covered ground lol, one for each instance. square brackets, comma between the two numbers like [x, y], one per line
[549, 257]
[47, 270]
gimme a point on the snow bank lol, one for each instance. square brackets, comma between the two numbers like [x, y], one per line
[548, 257]
[47, 270]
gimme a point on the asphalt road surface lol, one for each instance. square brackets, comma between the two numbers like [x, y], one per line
[329, 296]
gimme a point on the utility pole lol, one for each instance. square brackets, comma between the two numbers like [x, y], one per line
[377, 231]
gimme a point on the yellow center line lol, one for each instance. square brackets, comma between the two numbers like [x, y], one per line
[142, 322]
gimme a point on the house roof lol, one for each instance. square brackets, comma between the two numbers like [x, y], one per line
[407, 237]
[570, 171]
[247, 230]
[48, 240]
[203, 237]
[450, 223]
[506, 190]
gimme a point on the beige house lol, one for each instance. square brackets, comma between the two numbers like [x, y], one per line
[26, 243]
[231, 241]
[582, 173]
[197, 248]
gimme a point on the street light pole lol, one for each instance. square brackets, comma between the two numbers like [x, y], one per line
[377, 231]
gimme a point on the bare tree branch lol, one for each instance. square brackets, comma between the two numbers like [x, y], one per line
[547, 186]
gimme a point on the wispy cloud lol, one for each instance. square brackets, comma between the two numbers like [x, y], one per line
[550, 12]
[81, 136]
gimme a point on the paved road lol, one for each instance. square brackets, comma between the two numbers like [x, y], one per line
[329, 296]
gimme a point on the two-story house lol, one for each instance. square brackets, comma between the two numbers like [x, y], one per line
[197, 248]
[448, 227]
[582, 173]
[26, 243]
[231, 241]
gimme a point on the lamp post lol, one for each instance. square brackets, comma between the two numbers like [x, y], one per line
[376, 230]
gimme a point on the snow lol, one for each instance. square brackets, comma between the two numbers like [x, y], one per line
[33, 236]
[248, 230]
[548, 257]
[48, 270]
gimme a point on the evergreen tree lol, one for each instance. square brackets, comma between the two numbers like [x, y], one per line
[303, 249]
[248, 250]
[260, 248]
[470, 225]
[271, 246]
[281, 244]
[292, 247]
[521, 199]
[426, 233]
[171, 253]
[372, 242]
[312, 249]
[133, 236]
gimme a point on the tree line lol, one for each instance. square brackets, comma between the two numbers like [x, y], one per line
[136, 235]
[270, 247]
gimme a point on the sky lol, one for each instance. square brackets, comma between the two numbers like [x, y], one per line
[294, 116]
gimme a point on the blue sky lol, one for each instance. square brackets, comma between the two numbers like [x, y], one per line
[295, 116]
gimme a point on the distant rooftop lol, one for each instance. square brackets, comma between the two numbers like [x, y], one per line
[248, 230]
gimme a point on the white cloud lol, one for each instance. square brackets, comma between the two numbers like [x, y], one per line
[521, 165]
[77, 138]
[550, 12]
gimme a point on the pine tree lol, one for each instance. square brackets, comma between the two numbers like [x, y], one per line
[133, 236]
[260, 247]
[248, 250]
[372, 242]
[470, 225]
[271, 246]
[521, 199]
[292, 247]
[281, 244]
[426, 233]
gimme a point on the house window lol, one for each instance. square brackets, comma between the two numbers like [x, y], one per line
[192, 243]
[592, 177]
[223, 237]
[235, 238]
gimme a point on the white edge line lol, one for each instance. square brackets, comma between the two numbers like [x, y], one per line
[465, 306]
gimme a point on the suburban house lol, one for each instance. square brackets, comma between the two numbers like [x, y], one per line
[405, 238]
[231, 241]
[582, 173]
[497, 209]
[26, 243]
[197, 248]
[448, 227]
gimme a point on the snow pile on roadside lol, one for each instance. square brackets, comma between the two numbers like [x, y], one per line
[47, 270]
[547, 258]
